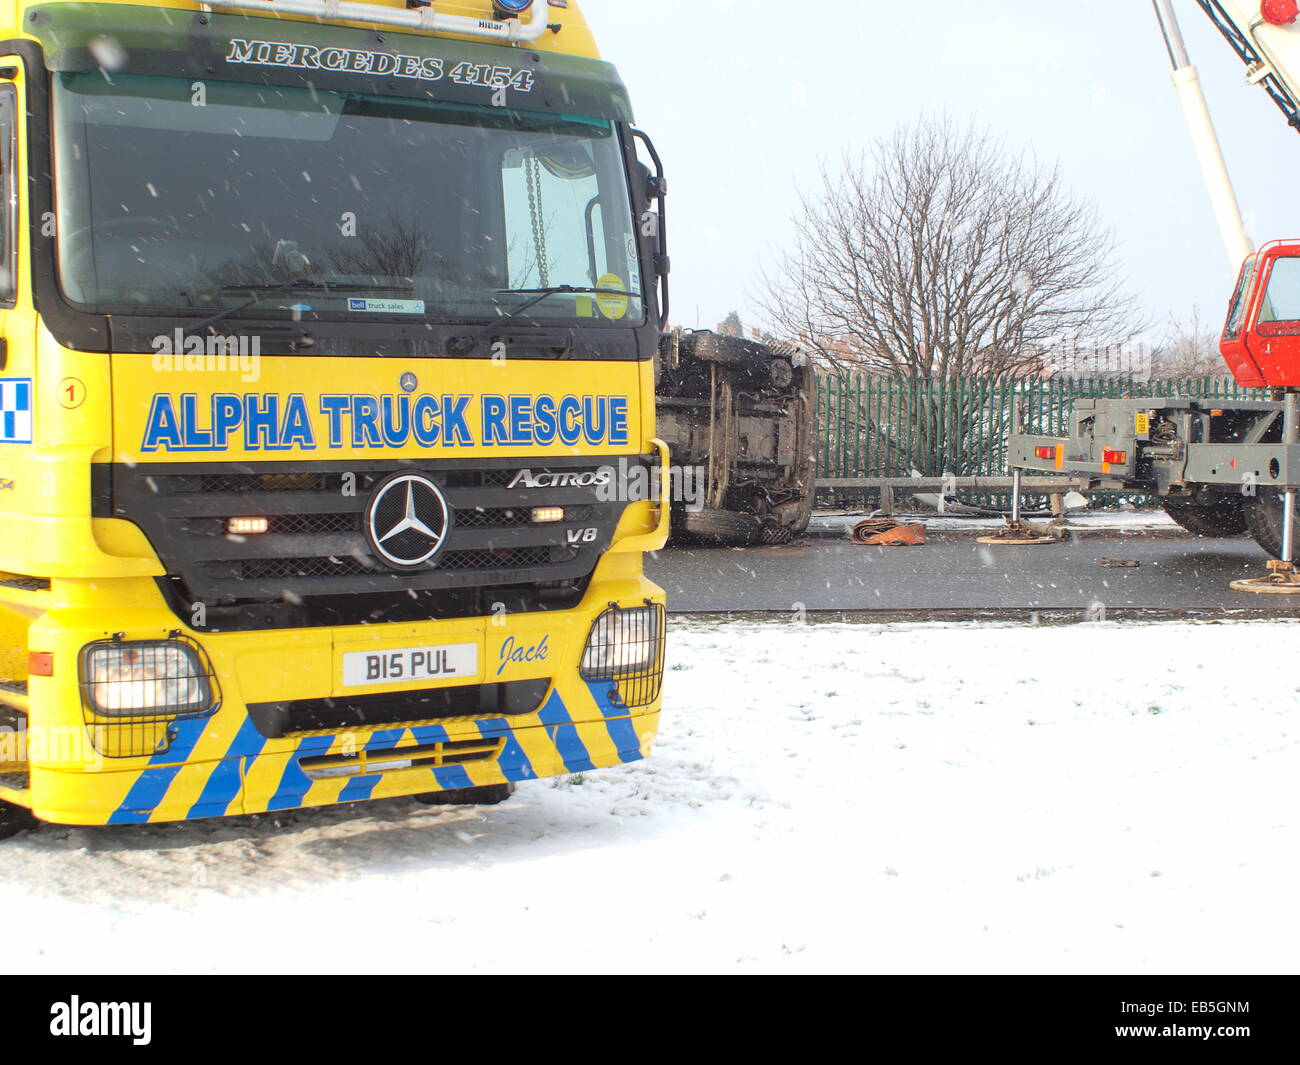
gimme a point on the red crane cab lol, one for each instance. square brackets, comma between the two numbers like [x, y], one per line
[1261, 339]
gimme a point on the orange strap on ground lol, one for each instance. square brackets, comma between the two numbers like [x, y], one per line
[882, 532]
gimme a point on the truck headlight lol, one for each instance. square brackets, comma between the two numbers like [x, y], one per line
[145, 678]
[623, 641]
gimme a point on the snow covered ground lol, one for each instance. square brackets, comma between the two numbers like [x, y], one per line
[833, 797]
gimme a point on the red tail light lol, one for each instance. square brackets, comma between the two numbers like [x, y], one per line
[1115, 458]
[1044, 452]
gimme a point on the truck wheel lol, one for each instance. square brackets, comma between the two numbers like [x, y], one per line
[1264, 517]
[722, 526]
[776, 535]
[1220, 517]
[14, 819]
[485, 795]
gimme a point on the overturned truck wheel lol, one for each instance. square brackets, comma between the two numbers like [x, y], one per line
[776, 535]
[1218, 516]
[728, 527]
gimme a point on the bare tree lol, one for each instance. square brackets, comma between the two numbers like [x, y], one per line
[1189, 350]
[391, 248]
[940, 255]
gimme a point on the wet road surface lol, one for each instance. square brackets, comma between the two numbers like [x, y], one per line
[953, 572]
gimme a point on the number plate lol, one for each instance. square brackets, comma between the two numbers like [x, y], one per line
[409, 665]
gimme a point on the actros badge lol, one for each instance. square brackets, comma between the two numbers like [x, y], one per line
[407, 521]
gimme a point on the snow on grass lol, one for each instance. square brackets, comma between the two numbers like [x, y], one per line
[837, 797]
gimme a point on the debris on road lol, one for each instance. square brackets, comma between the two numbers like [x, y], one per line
[1118, 563]
[885, 532]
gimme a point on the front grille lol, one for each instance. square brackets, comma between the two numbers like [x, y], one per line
[259, 482]
[280, 569]
[287, 569]
[315, 543]
[511, 517]
[312, 524]
[524, 557]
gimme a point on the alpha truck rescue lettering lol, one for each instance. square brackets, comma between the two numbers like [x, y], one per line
[274, 422]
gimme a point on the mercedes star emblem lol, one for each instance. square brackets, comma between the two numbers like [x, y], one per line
[407, 520]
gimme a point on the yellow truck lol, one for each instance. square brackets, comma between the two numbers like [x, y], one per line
[327, 430]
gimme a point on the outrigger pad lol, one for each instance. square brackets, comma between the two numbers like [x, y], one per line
[1282, 579]
[1026, 534]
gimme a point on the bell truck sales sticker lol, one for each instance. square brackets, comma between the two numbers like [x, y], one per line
[386, 306]
[410, 665]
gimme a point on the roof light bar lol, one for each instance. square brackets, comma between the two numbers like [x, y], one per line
[420, 18]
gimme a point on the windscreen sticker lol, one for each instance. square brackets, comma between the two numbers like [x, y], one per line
[368, 306]
[633, 265]
[16, 411]
[613, 305]
[378, 64]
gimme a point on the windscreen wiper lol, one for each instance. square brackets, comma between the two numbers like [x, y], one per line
[465, 344]
[272, 289]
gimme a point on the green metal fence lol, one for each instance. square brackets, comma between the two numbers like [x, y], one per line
[890, 427]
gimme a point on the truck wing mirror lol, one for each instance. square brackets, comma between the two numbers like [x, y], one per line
[656, 192]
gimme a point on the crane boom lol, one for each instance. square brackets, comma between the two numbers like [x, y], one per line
[1205, 141]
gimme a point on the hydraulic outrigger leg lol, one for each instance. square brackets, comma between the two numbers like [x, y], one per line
[1282, 578]
[1019, 533]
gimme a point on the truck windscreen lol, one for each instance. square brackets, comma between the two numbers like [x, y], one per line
[186, 196]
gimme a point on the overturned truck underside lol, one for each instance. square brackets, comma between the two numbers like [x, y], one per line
[745, 414]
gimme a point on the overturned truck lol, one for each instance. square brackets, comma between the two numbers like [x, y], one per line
[744, 415]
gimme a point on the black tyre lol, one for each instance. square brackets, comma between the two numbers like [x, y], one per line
[1220, 516]
[722, 526]
[776, 535]
[15, 819]
[1264, 518]
[486, 795]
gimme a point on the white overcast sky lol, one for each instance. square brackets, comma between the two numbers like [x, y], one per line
[745, 98]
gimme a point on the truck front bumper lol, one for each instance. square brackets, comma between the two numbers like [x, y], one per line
[224, 762]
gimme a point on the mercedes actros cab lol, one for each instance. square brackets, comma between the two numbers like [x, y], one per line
[326, 406]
